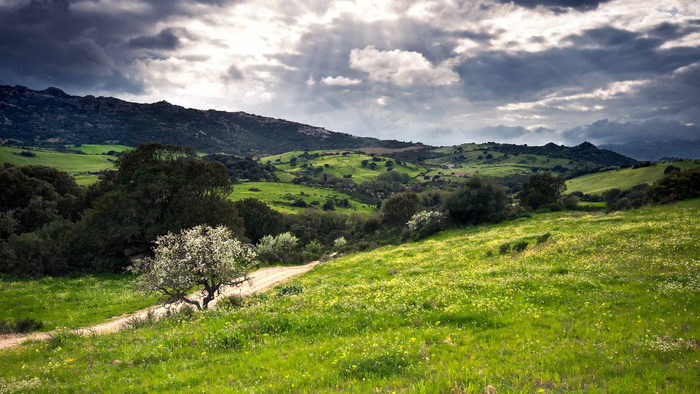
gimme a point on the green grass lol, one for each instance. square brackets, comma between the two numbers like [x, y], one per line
[70, 302]
[340, 165]
[609, 303]
[276, 196]
[499, 166]
[72, 163]
[100, 149]
[623, 179]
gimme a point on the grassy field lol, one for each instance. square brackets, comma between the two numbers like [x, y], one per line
[340, 165]
[607, 303]
[69, 302]
[623, 179]
[280, 195]
[474, 160]
[72, 163]
[100, 149]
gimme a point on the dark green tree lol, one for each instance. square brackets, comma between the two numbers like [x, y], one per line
[675, 186]
[397, 210]
[478, 200]
[542, 189]
[259, 219]
[159, 189]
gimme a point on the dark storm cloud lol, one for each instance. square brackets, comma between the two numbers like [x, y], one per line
[558, 4]
[607, 132]
[51, 43]
[166, 39]
[597, 56]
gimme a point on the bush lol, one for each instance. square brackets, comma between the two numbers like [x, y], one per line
[542, 189]
[504, 248]
[676, 186]
[235, 301]
[25, 324]
[277, 248]
[426, 223]
[478, 200]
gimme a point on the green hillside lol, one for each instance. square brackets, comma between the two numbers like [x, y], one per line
[623, 179]
[84, 167]
[280, 196]
[605, 303]
[100, 149]
[340, 164]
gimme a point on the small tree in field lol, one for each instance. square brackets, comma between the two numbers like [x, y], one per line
[202, 257]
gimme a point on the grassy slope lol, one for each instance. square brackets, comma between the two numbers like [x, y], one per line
[500, 165]
[610, 303]
[70, 302]
[75, 164]
[100, 149]
[273, 194]
[623, 179]
[342, 165]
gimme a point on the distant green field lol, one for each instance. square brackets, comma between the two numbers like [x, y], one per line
[475, 161]
[340, 165]
[100, 149]
[623, 179]
[71, 163]
[275, 195]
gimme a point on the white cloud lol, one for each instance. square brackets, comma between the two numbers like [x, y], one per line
[340, 81]
[401, 68]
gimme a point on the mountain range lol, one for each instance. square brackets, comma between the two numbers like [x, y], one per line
[52, 117]
[657, 151]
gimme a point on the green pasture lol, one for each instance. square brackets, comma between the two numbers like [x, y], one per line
[100, 149]
[280, 195]
[69, 302]
[594, 303]
[72, 163]
[342, 165]
[499, 166]
[623, 179]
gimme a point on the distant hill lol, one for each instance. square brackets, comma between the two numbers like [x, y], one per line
[51, 117]
[656, 151]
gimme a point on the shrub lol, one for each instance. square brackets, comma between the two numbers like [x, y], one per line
[235, 301]
[289, 290]
[24, 324]
[504, 248]
[478, 200]
[279, 247]
[339, 242]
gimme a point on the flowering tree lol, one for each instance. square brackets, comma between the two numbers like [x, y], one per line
[202, 257]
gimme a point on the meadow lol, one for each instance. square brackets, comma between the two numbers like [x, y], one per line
[340, 165]
[83, 167]
[593, 303]
[625, 178]
[70, 301]
[90, 149]
[279, 196]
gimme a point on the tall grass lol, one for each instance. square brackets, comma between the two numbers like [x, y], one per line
[604, 303]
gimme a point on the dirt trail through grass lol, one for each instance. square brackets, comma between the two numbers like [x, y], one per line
[261, 280]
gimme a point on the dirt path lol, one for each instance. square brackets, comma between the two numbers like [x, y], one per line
[262, 280]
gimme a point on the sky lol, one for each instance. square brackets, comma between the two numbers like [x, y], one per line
[438, 72]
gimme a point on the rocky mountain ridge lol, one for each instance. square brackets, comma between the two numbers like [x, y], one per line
[53, 117]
